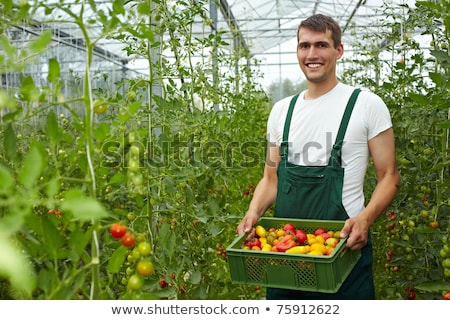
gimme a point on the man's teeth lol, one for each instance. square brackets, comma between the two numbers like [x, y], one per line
[314, 65]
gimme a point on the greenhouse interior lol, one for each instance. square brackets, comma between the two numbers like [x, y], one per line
[134, 135]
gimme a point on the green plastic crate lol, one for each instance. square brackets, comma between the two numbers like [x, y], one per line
[292, 271]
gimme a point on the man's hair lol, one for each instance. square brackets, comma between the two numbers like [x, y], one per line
[322, 23]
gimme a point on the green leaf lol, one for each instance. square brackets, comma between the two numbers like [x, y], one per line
[52, 238]
[33, 165]
[51, 128]
[167, 240]
[444, 124]
[436, 77]
[118, 7]
[195, 277]
[433, 286]
[134, 107]
[41, 42]
[82, 207]
[6, 46]
[6, 178]
[117, 259]
[53, 187]
[28, 89]
[14, 219]
[102, 131]
[15, 267]
[79, 240]
[54, 70]
[144, 8]
[10, 142]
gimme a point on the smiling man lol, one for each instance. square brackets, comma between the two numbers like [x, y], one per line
[320, 142]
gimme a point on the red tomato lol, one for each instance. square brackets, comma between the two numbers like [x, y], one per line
[447, 295]
[117, 230]
[319, 231]
[128, 240]
[162, 283]
[289, 226]
[253, 243]
[300, 236]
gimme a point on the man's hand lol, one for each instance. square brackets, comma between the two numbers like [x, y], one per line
[357, 231]
[247, 223]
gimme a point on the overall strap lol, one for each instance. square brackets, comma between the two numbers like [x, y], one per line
[287, 125]
[336, 153]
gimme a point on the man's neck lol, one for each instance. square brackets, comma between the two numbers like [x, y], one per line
[316, 90]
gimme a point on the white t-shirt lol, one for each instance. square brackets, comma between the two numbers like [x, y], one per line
[313, 131]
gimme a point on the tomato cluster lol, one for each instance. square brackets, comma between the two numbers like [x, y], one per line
[292, 240]
[119, 231]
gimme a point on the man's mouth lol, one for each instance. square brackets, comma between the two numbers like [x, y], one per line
[313, 65]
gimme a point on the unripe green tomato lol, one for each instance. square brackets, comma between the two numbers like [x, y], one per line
[131, 216]
[144, 248]
[136, 254]
[135, 282]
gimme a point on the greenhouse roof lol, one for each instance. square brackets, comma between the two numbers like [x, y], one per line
[266, 28]
[264, 24]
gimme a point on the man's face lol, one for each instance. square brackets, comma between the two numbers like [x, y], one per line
[317, 55]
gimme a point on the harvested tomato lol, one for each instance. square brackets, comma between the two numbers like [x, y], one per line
[300, 236]
[286, 243]
[128, 240]
[319, 231]
[254, 242]
[289, 226]
[261, 231]
[117, 230]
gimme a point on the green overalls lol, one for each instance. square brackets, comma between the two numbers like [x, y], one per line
[306, 192]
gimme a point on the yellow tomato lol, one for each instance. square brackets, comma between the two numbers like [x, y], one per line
[331, 242]
[266, 247]
[261, 231]
[298, 249]
[318, 247]
[263, 241]
[316, 253]
[320, 239]
[280, 233]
